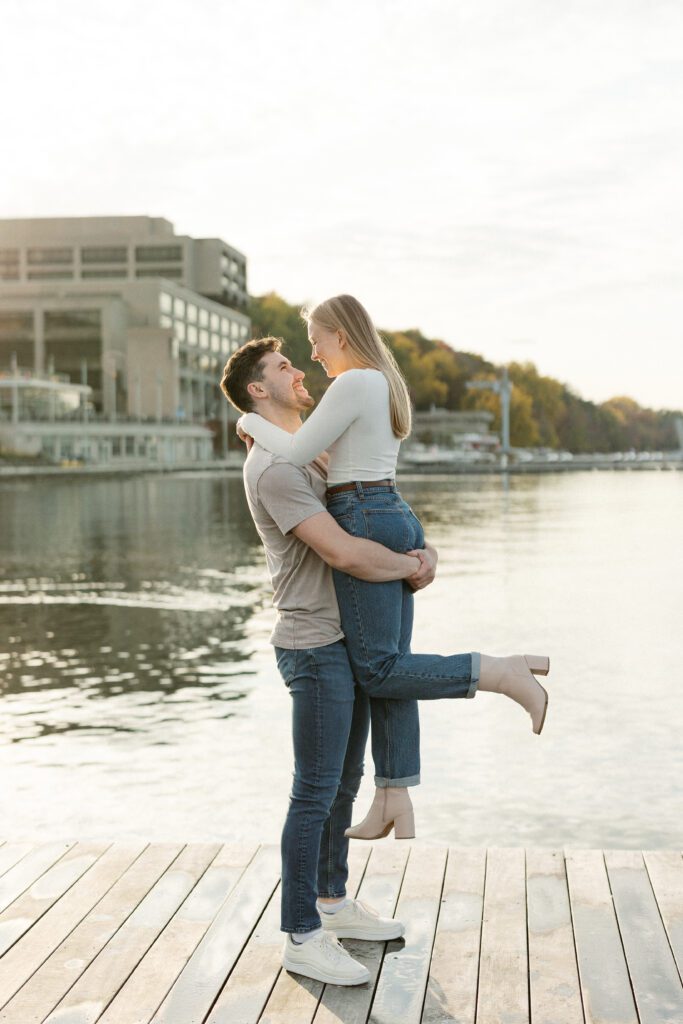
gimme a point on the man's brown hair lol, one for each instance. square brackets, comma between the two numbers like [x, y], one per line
[244, 367]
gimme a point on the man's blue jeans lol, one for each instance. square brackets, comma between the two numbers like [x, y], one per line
[330, 721]
[377, 619]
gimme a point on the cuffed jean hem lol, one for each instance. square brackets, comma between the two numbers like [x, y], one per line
[301, 931]
[476, 671]
[409, 780]
[332, 895]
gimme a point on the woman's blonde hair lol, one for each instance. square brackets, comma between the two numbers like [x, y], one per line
[344, 313]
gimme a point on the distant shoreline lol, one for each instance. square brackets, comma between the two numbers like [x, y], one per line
[233, 467]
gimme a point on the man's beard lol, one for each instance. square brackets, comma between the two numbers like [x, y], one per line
[295, 400]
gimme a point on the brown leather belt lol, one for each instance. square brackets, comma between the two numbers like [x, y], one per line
[364, 483]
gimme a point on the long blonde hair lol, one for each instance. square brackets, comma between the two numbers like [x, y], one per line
[344, 313]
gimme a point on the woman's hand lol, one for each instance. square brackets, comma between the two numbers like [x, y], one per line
[246, 438]
[428, 557]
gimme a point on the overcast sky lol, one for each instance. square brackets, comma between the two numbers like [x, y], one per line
[504, 175]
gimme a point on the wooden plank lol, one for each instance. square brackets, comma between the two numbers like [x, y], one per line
[73, 956]
[21, 915]
[605, 984]
[665, 868]
[454, 971]
[148, 985]
[34, 948]
[553, 971]
[19, 878]
[503, 975]
[193, 994]
[403, 979]
[380, 888]
[87, 999]
[11, 854]
[294, 999]
[654, 977]
[246, 991]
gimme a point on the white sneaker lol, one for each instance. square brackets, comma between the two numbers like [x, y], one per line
[359, 921]
[324, 960]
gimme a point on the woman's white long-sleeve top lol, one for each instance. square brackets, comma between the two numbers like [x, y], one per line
[352, 422]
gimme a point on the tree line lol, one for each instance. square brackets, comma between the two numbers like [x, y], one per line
[543, 411]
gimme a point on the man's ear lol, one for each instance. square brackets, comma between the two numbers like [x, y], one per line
[256, 390]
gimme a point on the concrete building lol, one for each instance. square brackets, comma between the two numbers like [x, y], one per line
[143, 317]
[467, 429]
[50, 419]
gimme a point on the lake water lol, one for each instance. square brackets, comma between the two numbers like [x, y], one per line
[139, 695]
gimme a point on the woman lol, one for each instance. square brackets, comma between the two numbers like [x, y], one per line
[361, 421]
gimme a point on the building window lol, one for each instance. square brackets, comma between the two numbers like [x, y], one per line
[204, 339]
[158, 253]
[179, 330]
[244, 330]
[104, 254]
[215, 342]
[215, 322]
[73, 341]
[16, 340]
[40, 256]
[85, 274]
[165, 302]
[203, 318]
[9, 264]
[168, 272]
[47, 275]
[165, 320]
[226, 345]
[179, 308]
[73, 319]
[191, 313]
[192, 334]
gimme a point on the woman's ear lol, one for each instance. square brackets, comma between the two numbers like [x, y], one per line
[342, 339]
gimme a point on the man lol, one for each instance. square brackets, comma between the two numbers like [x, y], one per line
[330, 714]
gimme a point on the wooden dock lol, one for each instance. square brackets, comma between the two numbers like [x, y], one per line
[134, 933]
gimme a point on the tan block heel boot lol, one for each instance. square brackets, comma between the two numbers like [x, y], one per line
[391, 808]
[515, 677]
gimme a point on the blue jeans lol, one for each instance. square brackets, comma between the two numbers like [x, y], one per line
[377, 619]
[330, 721]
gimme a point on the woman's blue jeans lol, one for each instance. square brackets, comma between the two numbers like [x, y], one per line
[377, 619]
[330, 721]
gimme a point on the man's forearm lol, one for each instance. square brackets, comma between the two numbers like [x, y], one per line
[373, 562]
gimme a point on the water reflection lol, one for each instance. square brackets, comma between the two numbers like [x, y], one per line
[139, 697]
[124, 605]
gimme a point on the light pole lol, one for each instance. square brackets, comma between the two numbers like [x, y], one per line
[503, 388]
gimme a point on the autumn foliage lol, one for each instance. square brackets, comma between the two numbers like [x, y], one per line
[544, 412]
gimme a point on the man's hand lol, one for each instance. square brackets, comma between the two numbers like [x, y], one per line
[428, 556]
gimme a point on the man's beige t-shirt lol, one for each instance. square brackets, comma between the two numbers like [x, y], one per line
[281, 496]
